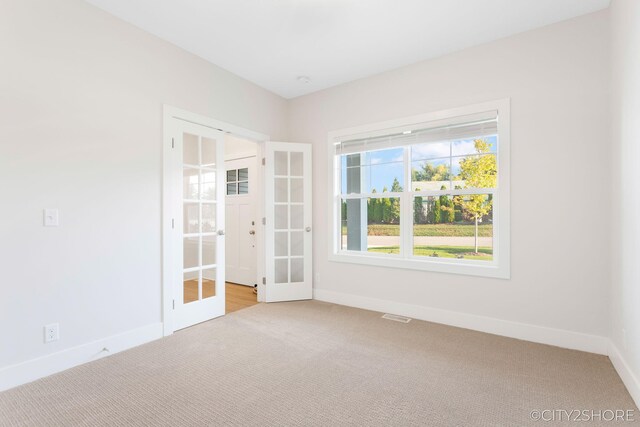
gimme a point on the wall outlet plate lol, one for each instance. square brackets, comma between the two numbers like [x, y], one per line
[51, 332]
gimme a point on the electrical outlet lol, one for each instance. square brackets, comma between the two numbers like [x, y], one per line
[51, 332]
[317, 278]
[51, 217]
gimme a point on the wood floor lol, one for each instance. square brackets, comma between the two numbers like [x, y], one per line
[191, 290]
[237, 296]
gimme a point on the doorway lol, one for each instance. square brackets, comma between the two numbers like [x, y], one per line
[271, 233]
[242, 232]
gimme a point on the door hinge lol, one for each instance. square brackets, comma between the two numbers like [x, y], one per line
[264, 220]
[173, 143]
[173, 223]
[263, 161]
[264, 280]
[174, 304]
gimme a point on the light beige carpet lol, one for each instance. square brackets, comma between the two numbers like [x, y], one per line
[318, 364]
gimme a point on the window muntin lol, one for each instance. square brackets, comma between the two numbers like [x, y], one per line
[445, 212]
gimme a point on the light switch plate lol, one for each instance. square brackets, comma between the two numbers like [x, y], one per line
[51, 218]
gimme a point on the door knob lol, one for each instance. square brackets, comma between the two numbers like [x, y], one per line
[308, 229]
[252, 232]
[220, 232]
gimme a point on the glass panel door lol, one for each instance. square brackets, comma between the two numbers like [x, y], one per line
[199, 288]
[288, 221]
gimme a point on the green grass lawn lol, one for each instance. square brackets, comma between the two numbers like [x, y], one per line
[450, 230]
[466, 252]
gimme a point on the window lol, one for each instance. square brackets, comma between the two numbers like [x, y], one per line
[237, 182]
[426, 193]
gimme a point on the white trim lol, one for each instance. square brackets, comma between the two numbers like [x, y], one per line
[522, 331]
[499, 267]
[31, 370]
[627, 376]
[197, 119]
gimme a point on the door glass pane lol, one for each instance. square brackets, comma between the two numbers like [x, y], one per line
[243, 174]
[297, 243]
[190, 213]
[281, 190]
[281, 163]
[208, 217]
[190, 149]
[231, 189]
[208, 283]
[208, 152]
[209, 250]
[282, 217]
[190, 252]
[297, 270]
[281, 240]
[243, 188]
[296, 164]
[208, 185]
[190, 286]
[282, 271]
[297, 188]
[297, 217]
[190, 180]
[231, 175]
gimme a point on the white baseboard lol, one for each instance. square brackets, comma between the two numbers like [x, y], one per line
[522, 331]
[626, 374]
[31, 370]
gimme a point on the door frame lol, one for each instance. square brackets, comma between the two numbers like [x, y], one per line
[170, 115]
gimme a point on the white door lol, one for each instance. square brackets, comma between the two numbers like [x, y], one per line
[288, 233]
[198, 243]
[241, 189]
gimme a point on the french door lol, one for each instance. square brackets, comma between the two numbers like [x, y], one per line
[198, 241]
[288, 233]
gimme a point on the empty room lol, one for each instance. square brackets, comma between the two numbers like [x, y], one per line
[319, 212]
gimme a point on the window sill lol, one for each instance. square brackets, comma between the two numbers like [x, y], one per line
[468, 268]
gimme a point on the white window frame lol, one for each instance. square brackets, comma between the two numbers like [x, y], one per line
[499, 267]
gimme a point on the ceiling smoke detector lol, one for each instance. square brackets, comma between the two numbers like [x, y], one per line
[304, 79]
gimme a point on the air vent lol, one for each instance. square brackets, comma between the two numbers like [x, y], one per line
[396, 318]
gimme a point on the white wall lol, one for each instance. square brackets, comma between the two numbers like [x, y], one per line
[236, 147]
[625, 298]
[558, 80]
[81, 96]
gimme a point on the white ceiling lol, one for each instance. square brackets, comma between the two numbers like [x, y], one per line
[272, 42]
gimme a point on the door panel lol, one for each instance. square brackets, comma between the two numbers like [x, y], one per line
[241, 202]
[199, 229]
[288, 221]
